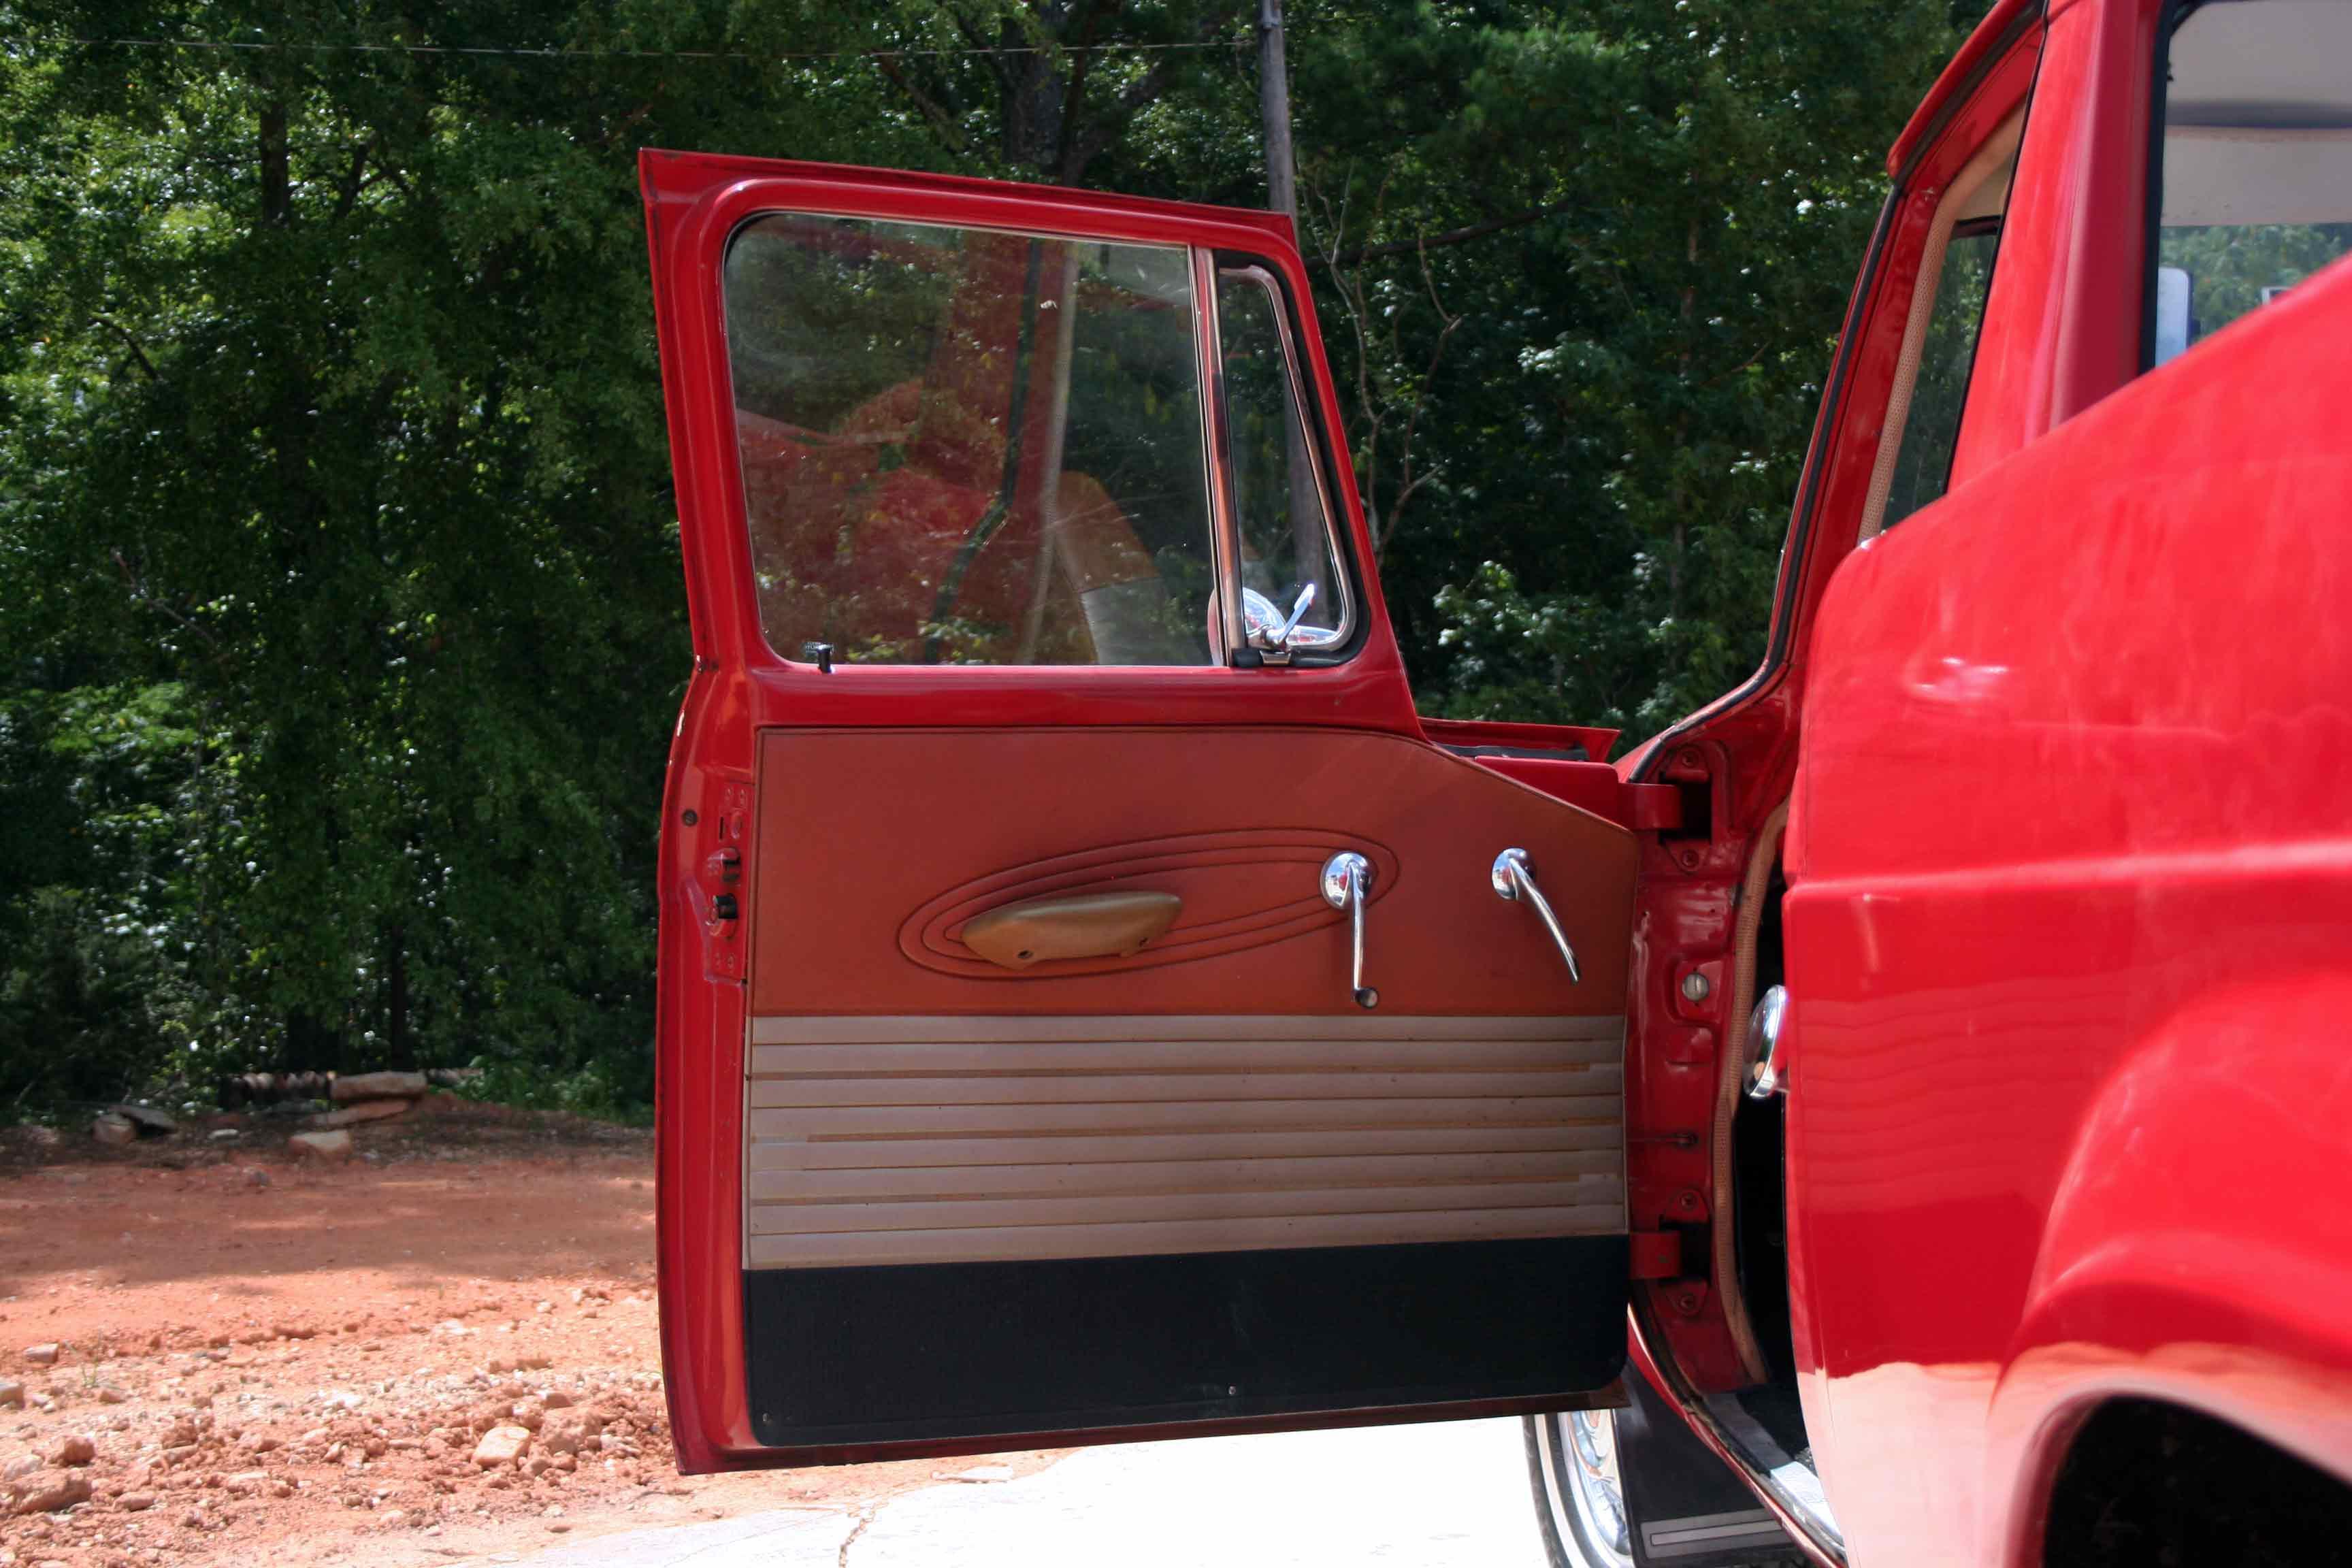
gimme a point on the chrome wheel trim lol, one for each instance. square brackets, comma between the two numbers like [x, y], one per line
[1582, 1488]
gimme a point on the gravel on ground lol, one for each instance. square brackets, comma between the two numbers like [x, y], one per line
[213, 1352]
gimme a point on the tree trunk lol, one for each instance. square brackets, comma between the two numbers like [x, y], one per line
[398, 1052]
[1273, 106]
[310, 1039]
[1036, 96]
[1306, 523]
[1680, 494]
[276, 175]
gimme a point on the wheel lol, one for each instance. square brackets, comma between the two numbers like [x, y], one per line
[1580, 1495]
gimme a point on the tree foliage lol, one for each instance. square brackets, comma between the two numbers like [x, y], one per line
[343, 628]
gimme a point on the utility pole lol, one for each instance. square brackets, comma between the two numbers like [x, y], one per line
[1273, 102]
[1282, 196]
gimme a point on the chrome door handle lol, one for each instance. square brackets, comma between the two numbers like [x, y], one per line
[1766, 1025]
[1514, 875]
[1347, 883]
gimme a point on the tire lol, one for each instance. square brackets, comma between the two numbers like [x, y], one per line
[1580, 1499]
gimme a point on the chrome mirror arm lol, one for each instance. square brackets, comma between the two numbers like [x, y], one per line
[1265, 627]
[1283, 634]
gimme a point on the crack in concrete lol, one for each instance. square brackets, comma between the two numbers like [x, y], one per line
[865, 1517]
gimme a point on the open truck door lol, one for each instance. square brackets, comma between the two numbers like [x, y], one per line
[1087, 1008]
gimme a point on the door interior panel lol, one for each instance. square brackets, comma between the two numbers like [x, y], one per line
[1195, 1181]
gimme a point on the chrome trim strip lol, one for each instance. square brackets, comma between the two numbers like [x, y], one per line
[1225, 633]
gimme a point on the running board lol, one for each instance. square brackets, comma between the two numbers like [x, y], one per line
[1694, 1511]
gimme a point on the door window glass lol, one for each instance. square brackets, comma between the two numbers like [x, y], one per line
[1292, 588]
[1923, 465]
[1939, 338]
[967, 446]
[2255, 181]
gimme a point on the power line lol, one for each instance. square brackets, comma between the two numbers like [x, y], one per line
[267, 47]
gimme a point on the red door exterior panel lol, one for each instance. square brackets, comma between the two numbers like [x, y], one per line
[2071, 871]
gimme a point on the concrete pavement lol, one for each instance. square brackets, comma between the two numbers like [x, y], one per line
[1447, 1495]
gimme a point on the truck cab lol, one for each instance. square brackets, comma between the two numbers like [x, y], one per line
[1094, 1004]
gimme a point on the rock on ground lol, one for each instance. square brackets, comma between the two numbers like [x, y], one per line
[361, 1111]
[48, 1491]
[501, 1445]
[150, 1121]
[377, 1086]
[333, 1147]
[41, 1355]
[113, 1130]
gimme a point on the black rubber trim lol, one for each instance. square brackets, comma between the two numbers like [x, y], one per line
[841, 1356]
[1801, 532]
[2019, 25]
[1568, 754]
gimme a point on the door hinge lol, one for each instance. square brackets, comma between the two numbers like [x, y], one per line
[1653, 807]
[1655, 1254]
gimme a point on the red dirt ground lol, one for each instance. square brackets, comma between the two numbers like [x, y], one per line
[295, 1360]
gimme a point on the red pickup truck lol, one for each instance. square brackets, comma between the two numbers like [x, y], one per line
[1094, 1004]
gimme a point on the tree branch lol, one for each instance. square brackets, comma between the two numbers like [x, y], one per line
[129, 341]
[992, 50]
[1735, 370]
[931, 109]
[1082, 149]
[1451, 235]
[140, 596]
[1409, 482]
[353, 182]
[970, 30]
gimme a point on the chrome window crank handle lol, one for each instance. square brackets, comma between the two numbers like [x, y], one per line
[1514, 875]
[1347, 883]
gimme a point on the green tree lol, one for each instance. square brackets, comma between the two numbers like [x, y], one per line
[332, 410]
[342, 631]
[1585, 267]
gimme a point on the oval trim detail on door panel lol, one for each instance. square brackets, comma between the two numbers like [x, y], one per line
[1224, 878]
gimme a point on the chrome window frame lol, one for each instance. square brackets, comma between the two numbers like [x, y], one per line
[1208, 274]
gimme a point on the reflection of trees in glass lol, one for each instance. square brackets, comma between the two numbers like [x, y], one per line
[2230, 265]
[1134, 427]
[1932, 428]
[825, 313]
[922, 485]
